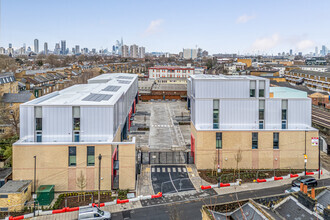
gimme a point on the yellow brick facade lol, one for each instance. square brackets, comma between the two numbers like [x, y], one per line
[53, 166]
[239, 144]
[15, 201]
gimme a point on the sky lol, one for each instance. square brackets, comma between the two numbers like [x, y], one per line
[218, 26]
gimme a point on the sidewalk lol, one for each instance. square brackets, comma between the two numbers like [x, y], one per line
[144, 184]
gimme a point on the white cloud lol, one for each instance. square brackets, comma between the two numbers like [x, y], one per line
[305, 44]
[244, 18]
[266, 43]
[154, 27]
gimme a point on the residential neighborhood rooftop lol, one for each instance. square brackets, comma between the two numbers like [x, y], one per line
[15, 186]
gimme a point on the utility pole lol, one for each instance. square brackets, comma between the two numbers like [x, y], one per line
[319, 143]
[305, 156]
[100, 158]
[35, 185]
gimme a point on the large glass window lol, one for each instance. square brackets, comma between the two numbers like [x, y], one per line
[38, 123]
[284, 113]
[72, 156]
[216, 114]
[218, 140]
[252, 88]
[254, 140]
[276, 140]
[262, 88]
[90, 155]
[261, 114]
[76, 118]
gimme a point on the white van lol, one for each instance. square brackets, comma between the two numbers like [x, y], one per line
[93, 213]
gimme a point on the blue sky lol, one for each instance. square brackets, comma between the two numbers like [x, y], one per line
[217, 26]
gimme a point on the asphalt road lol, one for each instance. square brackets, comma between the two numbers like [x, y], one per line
[191, 209]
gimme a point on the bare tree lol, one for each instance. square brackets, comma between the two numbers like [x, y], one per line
[10, 117]
[238, 158]
[81, 183]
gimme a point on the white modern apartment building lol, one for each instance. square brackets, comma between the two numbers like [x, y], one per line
[243, 117]
[142, 52]
[134, 51]
[171, 71]
[67, 130]
[124, 51]
[189, 54]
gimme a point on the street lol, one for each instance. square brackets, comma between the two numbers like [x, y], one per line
[191, 209]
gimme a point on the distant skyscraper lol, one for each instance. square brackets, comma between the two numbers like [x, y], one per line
[36, 45]
[316, 51]
[324, 50]
[2, 50]
[134, 51]
[124, 51]
[77, 49]
[57, 49]
[63, 47]
[142, 52]
[46, 48]
[290, 52]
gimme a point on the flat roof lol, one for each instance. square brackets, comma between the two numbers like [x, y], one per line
[285, 92]
[309, 72]
[104, 89]
[5, 172]
[226, 77]
[15, 186]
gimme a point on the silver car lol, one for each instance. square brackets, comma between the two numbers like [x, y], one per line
[93, 213]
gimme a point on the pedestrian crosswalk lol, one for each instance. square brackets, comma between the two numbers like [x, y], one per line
[162, 126]
[168, 169]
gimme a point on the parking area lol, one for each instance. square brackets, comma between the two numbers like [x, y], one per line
[170, 179]
[156, 125]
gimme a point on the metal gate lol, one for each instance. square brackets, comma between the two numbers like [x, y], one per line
[166, 157]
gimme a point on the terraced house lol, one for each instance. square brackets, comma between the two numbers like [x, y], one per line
[67, 130]
[242, 122]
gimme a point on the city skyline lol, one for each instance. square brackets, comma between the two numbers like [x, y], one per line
[223, 28]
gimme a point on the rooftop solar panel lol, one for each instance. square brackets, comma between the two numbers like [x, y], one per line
[111, 88]
[123, 81]
[97, 97]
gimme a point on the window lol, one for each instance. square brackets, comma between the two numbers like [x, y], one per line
[215, 114]
[254, 140]
[284, 113]
[276, 140]
[39, 136]
[252, 88]
[38, 123]
[90, 155]
[76, 118]
[4, 209]
[72, 156]
[218, 140]
[262, 88]
[261, 114]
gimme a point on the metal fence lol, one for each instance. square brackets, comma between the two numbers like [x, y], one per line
[169, 157]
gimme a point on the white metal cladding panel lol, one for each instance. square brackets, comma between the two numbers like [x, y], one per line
[56, 123]
[273, 114]
[299, 113]
[27, 122]
[204, 113]
[222, 89]
[192, 111]
[238, 114]
[267, 89]
[96, 124]
[188, 87]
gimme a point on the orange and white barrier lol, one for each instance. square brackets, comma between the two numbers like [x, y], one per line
[220, 185]
[67, 209]
[275, 178]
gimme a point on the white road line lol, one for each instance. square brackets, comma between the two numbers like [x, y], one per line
[168, 169]
[184, 169]
[172, 182]
[174, 170]
[158, 170]
[163, 169]
[179, 169]
[153, 169]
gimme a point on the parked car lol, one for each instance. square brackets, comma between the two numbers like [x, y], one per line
[306, 180]
[292, 189]
[93, 213]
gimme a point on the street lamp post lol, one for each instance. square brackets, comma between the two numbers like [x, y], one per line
[34, 185]
[100, 158]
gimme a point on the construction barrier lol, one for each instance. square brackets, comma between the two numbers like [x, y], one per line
[220, 185]
[275, 178]
[67, 209]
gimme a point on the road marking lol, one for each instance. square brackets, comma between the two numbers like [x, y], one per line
[163, 169]
[158, 170]
[174, 170]
[189, 169]
[172, 182]
[179, 169]
[153, 169]
[184, 169]
[148, 169]
[168, 169]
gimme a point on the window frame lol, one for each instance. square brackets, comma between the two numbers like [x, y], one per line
[75, 156]
[218, 140]
[276, 142]
[216, 111]
[90, 164]
[255, 142]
